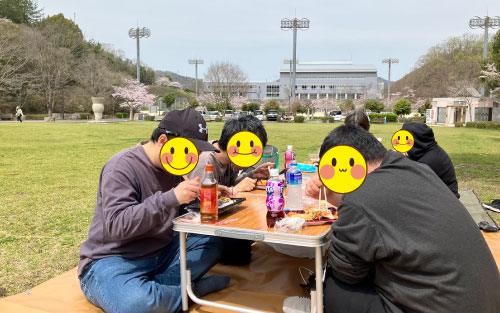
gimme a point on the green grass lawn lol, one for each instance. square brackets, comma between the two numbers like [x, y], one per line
[49, 175]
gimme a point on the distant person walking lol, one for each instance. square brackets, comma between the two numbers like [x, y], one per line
[19, 114]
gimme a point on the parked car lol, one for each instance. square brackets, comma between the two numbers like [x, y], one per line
[259, 115]
[228, 114]
[212, 115]
[272, 115]
[288, 117]
[335, 112]
[339, 118]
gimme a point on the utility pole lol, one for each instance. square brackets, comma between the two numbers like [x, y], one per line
[137, 33]
[486, 22]
[196, 62]
[294, 24]
[389, 61]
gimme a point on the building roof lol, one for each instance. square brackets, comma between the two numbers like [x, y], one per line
[329, 67]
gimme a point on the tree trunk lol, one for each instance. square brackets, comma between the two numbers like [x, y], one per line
[49, 113]
[131, 117]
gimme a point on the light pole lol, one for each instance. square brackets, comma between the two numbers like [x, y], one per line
[294, 24]
[137, 33]
[196, 62]
[389, 61]
[486, 22]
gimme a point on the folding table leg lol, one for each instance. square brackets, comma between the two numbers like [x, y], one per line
[182, 253]
[319, 280]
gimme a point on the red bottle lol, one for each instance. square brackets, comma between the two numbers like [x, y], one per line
[208, 198]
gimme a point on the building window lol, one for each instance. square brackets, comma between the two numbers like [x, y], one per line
[331, 87]
[272, 91]
[304, 87]
[313, 87]
[322, 87]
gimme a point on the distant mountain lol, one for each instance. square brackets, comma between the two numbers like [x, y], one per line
[186, 82]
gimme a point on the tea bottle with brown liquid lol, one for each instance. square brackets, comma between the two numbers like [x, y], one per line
[208, 197]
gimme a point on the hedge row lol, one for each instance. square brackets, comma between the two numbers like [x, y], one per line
[484, 125]
[299, 119]
[327, 119]
[390, 118]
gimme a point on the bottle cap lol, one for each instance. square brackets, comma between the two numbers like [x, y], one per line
[209, 168]
[289, 148]
[293, 162]
[275, 172]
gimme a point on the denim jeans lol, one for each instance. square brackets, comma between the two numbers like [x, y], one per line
[122, 285]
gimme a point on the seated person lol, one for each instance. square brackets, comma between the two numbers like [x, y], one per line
[235, 251]
[402, 242]
[225, 172]
[130, 261]
[426, 150]
[358, 118]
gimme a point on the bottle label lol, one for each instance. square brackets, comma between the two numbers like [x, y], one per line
[275, 200]
[206, 202]
[293, 178]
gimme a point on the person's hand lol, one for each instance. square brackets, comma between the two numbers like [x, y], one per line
[247, 184]
[313, 186]
[224, 191]
[262, 172]
[188, 190]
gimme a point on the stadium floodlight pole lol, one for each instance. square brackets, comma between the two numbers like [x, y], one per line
[294, 24]
[389, 61]
[486, 22]
[290, 61]
[137, 33]
[196, 62]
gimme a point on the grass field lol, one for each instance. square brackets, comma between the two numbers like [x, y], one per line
[49, 175]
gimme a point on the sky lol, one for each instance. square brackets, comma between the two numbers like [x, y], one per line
[248, 33]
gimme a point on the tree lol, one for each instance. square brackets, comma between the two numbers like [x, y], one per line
[492, 77]
[12, 58]
[225, 81]
[427, 105]
[20, 11]
[271, 105]
[252, 107]
[169, 99]
[466, 90]
[63, 32]
[402, 107]
[133, 96]
[94, 75]
[374, 106]
[346, 106]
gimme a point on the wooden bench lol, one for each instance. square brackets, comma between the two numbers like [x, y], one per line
[6, 117]
[378, 120]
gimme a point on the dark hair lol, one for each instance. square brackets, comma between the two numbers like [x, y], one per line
[358, 118]
[246, 123]
[350, 135]
[161, 131]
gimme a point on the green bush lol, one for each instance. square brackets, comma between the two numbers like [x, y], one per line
[374, 106]
[402, 106]
[150, 118]
[484, 125]
[299, 119]
[415, 119]
[218, 119]
[36, 117]
[459, 124]
[84, 116]
[389, 118]
[327, 119]
[120, 115]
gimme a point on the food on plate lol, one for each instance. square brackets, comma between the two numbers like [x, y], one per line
[314, 214]
[261, 182]
[224, 199]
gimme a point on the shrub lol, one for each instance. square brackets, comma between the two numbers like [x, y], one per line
[299, 119]
[84, 116]
[218, 119]
[459, 124]
[390, 118]
[374, 106]
[327, 119]
[484, 125]
[150, 118]
[34, 116]
[402, 107]
[119, 114]
[416, 119]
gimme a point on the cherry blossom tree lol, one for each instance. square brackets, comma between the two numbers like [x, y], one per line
[133, 96]
[238, 102]
[492, 75]
[324, 105]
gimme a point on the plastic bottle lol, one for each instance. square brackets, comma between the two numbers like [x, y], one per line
[275, 201]
[289, 157]
[294, 187]
[208, 197]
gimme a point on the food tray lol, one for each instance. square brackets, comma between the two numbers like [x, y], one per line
[223, 206]
[314, 222]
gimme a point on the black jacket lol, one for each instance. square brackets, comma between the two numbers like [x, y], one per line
[427, 151]
[406, 233]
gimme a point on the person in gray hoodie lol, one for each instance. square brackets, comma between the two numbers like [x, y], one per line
[402, 241]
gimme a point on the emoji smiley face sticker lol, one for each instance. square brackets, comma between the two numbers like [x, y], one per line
[402, 141]
[244, 149]
[342, 169]
[179, 156]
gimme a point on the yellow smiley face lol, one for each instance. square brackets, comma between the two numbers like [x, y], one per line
[402, 141]
[179, 156]
[342, 169]
[244, 149]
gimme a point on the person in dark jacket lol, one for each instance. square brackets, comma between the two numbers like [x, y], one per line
[426, 150]
[402, 241]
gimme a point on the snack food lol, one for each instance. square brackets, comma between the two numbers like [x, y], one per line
[224, 199]
[314, 214]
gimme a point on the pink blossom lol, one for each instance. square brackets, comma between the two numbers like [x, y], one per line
[133, 96]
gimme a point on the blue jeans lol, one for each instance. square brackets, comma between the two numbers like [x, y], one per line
[148, 285]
